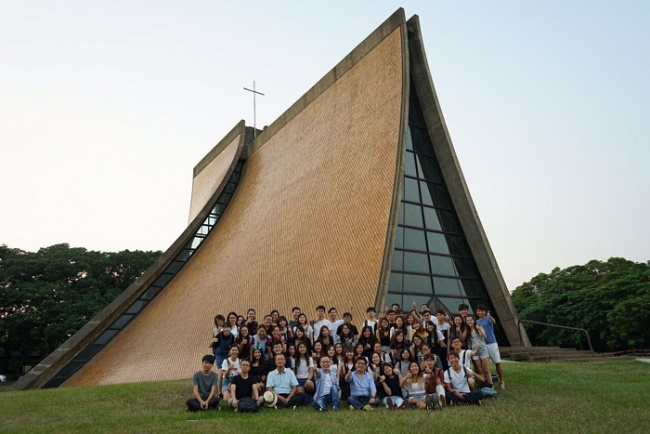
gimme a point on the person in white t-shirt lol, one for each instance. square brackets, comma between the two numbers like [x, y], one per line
[229, 369]
[456, 383]
[320, 321]
[334, 323]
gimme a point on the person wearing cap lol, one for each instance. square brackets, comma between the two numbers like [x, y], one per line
[284, 384]
[363, 392]
[327, 386]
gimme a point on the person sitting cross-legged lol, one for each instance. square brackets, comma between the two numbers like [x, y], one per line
[244, 386]
[456, 379]
[327, 386]
[284, 384]
[363, 393]
[204, 387]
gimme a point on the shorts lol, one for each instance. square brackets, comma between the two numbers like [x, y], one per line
[493, 351]
[219, 360]
[225, 384]
[301, 382]
[482, 353]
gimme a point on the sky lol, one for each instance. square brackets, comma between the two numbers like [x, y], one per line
[106, 107]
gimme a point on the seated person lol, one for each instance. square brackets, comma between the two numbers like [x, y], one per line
[390, 387]
[435, 381]
[204, 387]
[244, 386]
[456, 383]
[284, 384]
[363, 393]
[327, 386]
[414, 383]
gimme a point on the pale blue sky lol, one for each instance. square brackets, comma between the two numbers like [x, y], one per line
[105, 108]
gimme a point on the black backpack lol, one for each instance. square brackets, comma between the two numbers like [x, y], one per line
[247, 405]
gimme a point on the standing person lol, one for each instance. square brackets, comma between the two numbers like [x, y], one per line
[397, 344]
[367, 339]
[375, 366]
[295, 313]
[458, 391]
[320, 321]
[390, 387]
[476, 341]
[304, 323]
[346, 337]
[436, 342]
[317, 352]
[300, 337]
[229, 370]
[224, 341]
[261, 340]
[324, 337]
[327, 386]
[458, 330]
[204, 387]
[232, 320]
[244, 343]
[284, 384]
[363, 393]
[258, 368]
[285, 331]
[463, 310]
[337, 359]
[385, 357]
[487, 322]
[441, 322]
[371, 319]
[344, 367]
[334, 323]
[244, 386]
[347, 320]
[251, 322]
[383, 334]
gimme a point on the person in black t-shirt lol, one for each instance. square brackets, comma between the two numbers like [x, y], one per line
[244, 386]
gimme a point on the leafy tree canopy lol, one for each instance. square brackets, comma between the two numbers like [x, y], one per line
[609, 299]
[48, 295]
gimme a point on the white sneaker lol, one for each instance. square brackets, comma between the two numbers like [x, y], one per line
[503, 385]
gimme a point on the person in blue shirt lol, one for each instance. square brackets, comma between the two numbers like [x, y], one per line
[284, 384]
[363, 393]
[487, 322]
[327, 386]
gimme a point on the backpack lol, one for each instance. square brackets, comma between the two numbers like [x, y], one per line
[489, 392]
[247, 405]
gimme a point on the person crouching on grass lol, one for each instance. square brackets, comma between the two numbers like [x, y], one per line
[456, 383]
[204, 387]
[363, 393]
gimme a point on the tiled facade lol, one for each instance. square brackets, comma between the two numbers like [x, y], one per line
[306, 226]
[207, 181]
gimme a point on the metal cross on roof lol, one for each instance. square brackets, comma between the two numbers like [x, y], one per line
[254, 107]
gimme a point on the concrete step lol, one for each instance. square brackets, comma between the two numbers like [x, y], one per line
[596, 358]
[579, 357]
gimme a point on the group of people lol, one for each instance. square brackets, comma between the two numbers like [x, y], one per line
[398, 360]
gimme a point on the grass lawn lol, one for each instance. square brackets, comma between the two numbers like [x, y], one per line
[540, 398]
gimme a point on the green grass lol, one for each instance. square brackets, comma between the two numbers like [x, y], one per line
[540, 398]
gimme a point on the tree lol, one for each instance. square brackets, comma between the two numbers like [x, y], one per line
[611, 300]
[46, 296]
